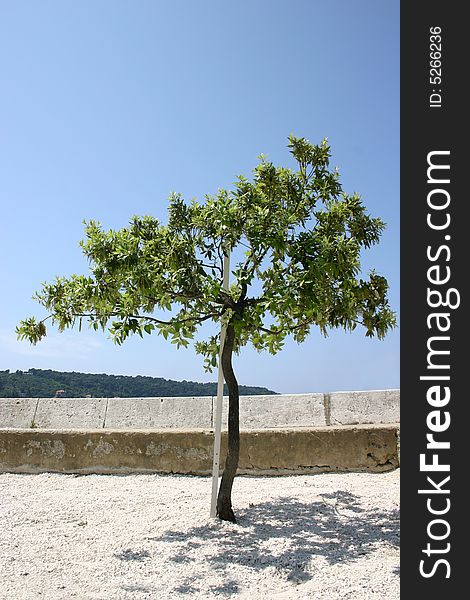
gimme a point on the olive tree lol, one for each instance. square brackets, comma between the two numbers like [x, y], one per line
[298, 236]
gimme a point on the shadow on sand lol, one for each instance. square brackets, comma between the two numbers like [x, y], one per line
[286, 534]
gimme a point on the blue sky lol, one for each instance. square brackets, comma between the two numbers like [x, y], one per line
[108, 106]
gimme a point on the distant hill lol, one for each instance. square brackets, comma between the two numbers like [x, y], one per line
[37, 383]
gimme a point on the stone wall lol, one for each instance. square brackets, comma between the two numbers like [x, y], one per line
[300, 433]
[262, 452]
[256, 412]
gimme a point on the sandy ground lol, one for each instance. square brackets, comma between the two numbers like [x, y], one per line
[115, 537]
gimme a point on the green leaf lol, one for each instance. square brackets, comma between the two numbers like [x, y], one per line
[301, 239]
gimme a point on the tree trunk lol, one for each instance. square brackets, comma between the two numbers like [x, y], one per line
[224, 498]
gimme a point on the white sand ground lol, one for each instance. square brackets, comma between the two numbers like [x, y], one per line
[115, 537]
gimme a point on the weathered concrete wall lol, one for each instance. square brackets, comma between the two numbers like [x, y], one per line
[17, 412]
[70, 413]
[161, 413]
[351, 408]
[269, 451]
[280, 433]
[287, 410]
[293, 410]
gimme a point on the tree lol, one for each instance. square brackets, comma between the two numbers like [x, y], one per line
[301, 238]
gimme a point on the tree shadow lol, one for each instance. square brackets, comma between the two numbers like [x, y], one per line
[128, 555]
[286, 534]
[138, 588]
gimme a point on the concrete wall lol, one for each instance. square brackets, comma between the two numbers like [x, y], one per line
[269, 451]
[256, 412]
[300, 433]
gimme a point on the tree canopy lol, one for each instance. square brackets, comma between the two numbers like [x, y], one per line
[301, 237]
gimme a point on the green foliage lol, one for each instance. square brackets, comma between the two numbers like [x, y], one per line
[38, 383]
[302, 237]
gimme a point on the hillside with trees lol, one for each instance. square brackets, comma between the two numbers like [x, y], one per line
[37, 383]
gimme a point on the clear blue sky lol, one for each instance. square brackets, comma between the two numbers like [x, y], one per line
[106, 107]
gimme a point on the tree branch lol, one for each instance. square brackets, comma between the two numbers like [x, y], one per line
[279, 331]
[298, 326]
[199, 319]
[213, 266]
